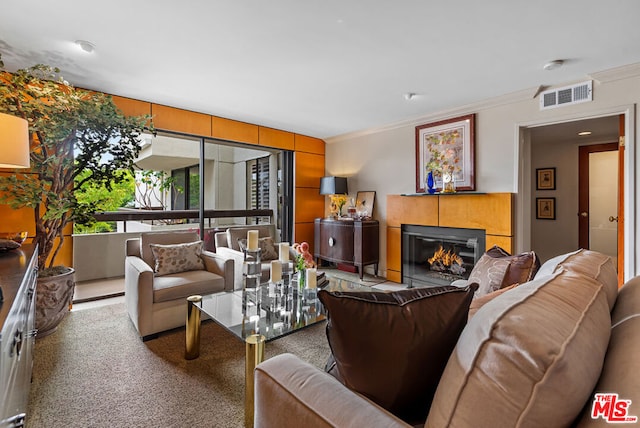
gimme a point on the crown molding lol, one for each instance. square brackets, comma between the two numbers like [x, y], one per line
[611, 75]
[514, 97]
[618, 73]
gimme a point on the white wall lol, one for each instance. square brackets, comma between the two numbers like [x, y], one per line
[383, 160]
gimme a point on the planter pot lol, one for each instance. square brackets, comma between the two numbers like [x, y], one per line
[54, 295]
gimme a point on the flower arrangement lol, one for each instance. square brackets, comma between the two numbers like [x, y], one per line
[443, 148]
[304, 259]
[337, 202]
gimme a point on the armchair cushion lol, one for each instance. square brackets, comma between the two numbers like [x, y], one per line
[185, 284]
[421, 324]
[268, 250]
[176, 258]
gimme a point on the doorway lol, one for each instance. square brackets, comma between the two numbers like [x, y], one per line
[598, 198]
[556, 147]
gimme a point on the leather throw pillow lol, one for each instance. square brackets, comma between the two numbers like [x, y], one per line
[392, 347]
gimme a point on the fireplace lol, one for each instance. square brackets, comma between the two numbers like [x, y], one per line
[439, 255]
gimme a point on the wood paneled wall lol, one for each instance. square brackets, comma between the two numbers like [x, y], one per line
[493, 212]
[308, 163]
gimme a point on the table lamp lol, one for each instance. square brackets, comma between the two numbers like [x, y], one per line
[14, 142]
[14, 145]
[334, 186]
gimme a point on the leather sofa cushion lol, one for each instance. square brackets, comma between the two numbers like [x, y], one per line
[589, 263]
[529, 358]
[483, 300]
[620, 373]
[392, 347]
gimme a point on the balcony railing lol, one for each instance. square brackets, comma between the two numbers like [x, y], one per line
[125, 215]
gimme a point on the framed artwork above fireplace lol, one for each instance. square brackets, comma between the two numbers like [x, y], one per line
[446, 145]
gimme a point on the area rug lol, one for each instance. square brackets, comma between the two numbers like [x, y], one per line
[96, 372]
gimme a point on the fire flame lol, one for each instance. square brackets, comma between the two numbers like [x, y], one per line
[446, 258]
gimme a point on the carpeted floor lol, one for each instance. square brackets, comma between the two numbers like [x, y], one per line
[96, 372]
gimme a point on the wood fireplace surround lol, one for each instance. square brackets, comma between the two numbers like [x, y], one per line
[493, 212]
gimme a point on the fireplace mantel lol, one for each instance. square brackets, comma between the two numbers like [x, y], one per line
[492, 212]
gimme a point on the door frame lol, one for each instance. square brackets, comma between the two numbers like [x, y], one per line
[523, 177]
[583, 186]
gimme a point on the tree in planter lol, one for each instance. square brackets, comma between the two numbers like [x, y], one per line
[79, 139]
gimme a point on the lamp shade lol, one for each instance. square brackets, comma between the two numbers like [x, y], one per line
[333, 186]
[14, 142]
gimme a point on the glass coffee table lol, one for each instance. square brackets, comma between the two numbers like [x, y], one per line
[257, 316]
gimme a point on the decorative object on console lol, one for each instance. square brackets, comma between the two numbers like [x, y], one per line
[446, 147]
[545, 178]
[8, 245]
[364, 205]
[336, 188]
[421, 323]
[546, 208]
[18, 237]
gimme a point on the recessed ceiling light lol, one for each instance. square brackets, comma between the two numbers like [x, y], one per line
[85, 45]
[552, 65]
[583, 133]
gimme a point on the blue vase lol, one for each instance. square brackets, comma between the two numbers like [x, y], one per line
[430, 183]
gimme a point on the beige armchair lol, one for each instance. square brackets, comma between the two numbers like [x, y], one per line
[228, 247]
[156, 302]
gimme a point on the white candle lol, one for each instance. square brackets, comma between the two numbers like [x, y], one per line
[252, 240]
[311, 279]
[284, 252]
[276, 271]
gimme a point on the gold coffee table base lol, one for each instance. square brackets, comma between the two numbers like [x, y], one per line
[192, 342]
[254, 353]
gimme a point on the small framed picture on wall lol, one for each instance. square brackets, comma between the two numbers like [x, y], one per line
[546, 208]
[545, 179]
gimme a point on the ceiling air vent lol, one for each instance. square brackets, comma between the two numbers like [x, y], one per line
[574, 94]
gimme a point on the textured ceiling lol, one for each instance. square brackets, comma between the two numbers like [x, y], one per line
[320, 68]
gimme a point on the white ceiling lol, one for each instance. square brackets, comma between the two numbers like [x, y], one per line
[320, 67]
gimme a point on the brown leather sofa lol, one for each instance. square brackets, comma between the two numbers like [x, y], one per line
[535, 356]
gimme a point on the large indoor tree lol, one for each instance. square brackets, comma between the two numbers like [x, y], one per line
[79, 139]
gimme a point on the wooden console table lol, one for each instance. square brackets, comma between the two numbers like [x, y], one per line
[347, 241]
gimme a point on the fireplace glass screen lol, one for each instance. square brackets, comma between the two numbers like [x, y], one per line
[439, 255]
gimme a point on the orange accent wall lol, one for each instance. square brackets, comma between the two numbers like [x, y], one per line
[303, 143]
[276, 138]
[492, 212]
[308, 163]
[232, 130]
[131, 107]
[175, 119]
